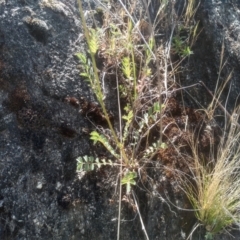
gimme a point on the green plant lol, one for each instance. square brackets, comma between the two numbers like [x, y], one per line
[187, 32]
[209, 236]
[129, 56]
[119, 44]
[89, 163]
[129, 180]
[181, 47]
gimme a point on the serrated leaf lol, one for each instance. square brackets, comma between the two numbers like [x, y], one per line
[96, 137]
[128, 180]
[81, 57]
[128, 117]
[128, 177]
[79, 164]
[93, 42]
[89, 163]
[127, 67]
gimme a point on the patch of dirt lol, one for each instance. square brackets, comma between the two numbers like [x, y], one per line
[183, 129]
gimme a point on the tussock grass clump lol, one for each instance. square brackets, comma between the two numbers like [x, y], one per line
[214, 190]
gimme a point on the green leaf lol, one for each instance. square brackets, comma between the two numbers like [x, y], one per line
[89, 163]
[163, 145]
[147, 71]
[93, 43]
[96, 137]
[81, 57]
[187, 52]
[128, 180]
[128, 117]
[127, 67]
[85, 163]
[79, 164]
[156, 107]
[84, 74]
[209, 236]
[115, 31]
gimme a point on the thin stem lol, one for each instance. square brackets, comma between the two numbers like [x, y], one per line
[220, 105]
[98, 86]
[139, 32]
[139, 214]
[121, 167]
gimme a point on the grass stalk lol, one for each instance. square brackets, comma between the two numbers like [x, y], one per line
[121, 167]
[214, 191]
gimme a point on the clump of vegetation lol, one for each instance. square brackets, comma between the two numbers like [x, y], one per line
[212, 185]
[119, 45]
[214, 188]
[127, 50]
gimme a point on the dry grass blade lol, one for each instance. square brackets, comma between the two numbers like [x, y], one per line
[214, 190]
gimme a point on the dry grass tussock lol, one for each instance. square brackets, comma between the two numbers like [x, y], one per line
[214, 188]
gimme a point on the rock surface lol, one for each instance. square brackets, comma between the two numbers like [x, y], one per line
[219, 23]
[42, 133]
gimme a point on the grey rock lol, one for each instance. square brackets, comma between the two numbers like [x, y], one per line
[41, 195]
[219, 22]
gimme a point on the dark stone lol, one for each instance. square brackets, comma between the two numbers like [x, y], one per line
[41, 195]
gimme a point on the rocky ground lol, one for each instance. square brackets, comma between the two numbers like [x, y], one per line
[42, 131]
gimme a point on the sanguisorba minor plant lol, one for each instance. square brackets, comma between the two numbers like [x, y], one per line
[214, 190]
[126, 56]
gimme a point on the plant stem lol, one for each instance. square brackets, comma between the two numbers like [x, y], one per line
[98, 86]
